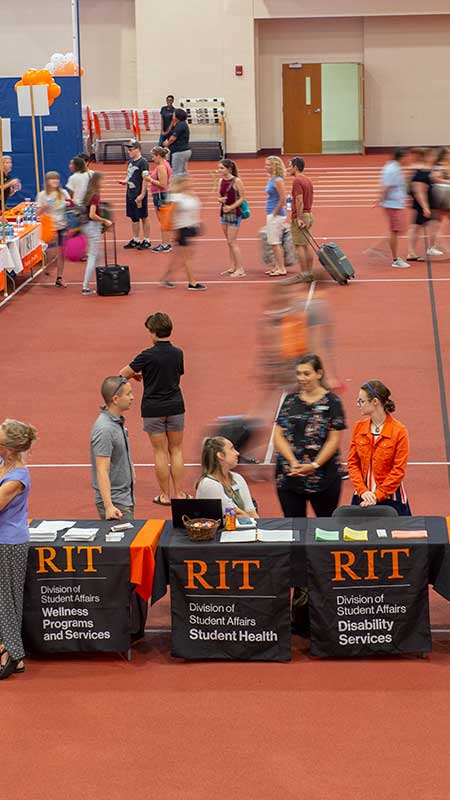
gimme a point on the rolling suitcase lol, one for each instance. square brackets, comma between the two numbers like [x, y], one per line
[332, 259]
[112, 279]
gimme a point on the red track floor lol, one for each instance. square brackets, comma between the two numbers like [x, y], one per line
[351, 730]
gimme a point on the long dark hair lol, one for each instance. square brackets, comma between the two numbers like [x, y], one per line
[93, 187]
[377, 389]
[230, 165]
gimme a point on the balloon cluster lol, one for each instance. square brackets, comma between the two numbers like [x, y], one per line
[64, 65]
[36, 77]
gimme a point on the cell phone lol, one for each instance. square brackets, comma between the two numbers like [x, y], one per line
[245, 522]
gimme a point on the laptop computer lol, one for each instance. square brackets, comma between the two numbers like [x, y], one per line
[195, 509]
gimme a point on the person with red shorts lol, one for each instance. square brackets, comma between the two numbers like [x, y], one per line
[393, 200]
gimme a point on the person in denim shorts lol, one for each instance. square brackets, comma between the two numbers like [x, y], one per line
[160, 367]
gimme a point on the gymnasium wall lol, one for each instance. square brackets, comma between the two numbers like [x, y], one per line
[405, 60]
[136, 51]
[108, 48]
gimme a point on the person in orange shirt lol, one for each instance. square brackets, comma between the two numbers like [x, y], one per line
[379, 451]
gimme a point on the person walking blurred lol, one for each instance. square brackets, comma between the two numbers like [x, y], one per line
[393, 200]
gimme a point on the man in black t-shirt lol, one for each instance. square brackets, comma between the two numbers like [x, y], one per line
[137, 207]
[166, 118]
[160, 368]
[178, 143]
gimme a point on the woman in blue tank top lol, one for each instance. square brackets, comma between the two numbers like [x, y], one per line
[15, 439]
[276, 212]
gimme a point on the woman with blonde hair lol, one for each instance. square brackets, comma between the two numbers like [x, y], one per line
[159, 182]
[53, 201]
[218, 482]
[276, 212]
[15, 439]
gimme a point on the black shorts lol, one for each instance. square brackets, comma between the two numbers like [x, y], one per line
[184, 234]
[420, 219]
[135, 213]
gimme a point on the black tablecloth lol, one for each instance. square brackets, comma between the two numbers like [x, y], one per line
[437, 545]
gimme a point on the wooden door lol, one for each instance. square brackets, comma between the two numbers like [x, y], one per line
[302, 108]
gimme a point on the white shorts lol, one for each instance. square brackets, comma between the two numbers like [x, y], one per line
[275, 227]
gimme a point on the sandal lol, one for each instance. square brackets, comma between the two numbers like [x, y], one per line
[160, 502]
[238, 274]
[59, 283]
[274, 274]
[228, 271]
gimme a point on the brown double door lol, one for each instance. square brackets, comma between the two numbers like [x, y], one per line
[302, 108]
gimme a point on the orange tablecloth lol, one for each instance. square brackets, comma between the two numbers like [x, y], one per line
[142, 556]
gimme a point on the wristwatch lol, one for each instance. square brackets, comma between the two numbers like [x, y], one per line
[315, 465]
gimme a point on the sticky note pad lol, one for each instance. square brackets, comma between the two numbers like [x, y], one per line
[410, 534]
[351, 535]
[326, 536]
[381, 533]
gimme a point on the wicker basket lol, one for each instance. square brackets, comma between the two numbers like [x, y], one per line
[201, 530]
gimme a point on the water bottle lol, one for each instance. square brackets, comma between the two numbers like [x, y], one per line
[230, 519]
[19, 220]
[289, 203]
[9, 231]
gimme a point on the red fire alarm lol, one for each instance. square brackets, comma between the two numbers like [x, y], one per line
[239, 70]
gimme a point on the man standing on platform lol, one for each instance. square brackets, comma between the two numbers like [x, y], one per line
[301, 215]
[137, 205]
[112, 467]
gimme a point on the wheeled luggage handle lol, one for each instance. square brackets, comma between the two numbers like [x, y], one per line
[113, 229]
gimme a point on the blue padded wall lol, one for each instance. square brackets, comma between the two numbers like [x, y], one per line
[60, 145]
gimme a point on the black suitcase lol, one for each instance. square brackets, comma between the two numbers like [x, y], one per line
[332, 259]
[112, 279]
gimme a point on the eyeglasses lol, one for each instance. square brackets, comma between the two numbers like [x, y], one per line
[122, 382]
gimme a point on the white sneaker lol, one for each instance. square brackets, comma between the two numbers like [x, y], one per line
[400, 263]
[433, 251]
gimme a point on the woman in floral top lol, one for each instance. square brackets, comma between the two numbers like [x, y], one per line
[307, 436]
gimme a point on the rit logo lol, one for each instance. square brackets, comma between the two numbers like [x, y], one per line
[345, 559]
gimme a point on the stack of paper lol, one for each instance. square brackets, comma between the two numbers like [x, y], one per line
[326, 536]
[238, 536]
[114, 536]
[80, 535]
[275, 536]
[351, 535]
[410, 534]
[40, 535]
[381, 533]
[53, 525]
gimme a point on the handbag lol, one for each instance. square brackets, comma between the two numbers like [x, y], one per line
[245, 210]
[166, 216]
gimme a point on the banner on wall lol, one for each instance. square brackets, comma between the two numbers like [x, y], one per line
[77, 598]
[367, 599]
[233, 605]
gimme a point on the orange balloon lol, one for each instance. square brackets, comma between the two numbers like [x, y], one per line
[43, 76]
[50, 102]
[19, 83]
[53, 91]
[28, 77]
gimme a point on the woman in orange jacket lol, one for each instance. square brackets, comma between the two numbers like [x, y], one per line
[378, 451]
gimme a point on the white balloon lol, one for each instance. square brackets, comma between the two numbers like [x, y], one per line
[50, 67]
[69, 57]
[57, 56]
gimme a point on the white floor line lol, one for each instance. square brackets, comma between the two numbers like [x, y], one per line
[197, 464]
[267, 282]
[22, 286]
